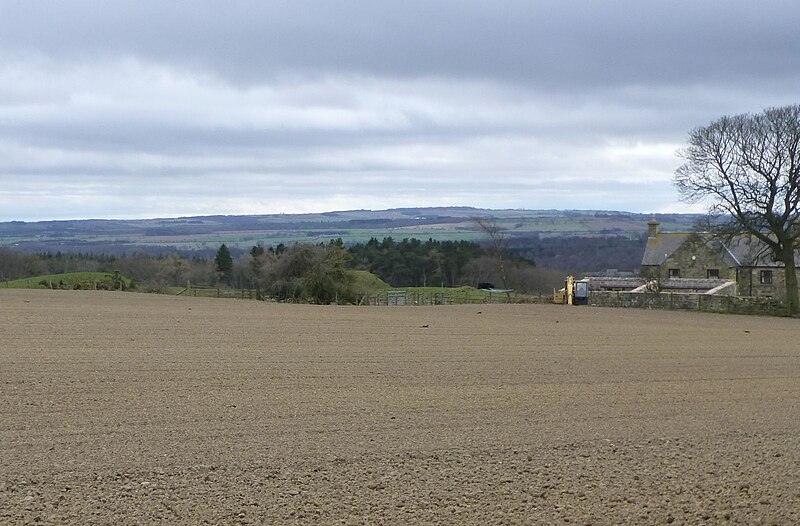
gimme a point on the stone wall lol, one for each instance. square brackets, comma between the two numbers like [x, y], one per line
[688, 301]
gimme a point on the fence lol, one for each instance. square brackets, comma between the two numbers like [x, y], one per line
[388, 298]
[688, 301]
[392, 298]
[218, 292]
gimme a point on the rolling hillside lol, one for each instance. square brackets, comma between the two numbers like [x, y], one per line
[204, 234]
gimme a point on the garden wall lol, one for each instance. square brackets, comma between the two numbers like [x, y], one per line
[687, 301]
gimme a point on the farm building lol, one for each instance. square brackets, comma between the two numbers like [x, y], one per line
[701, 262]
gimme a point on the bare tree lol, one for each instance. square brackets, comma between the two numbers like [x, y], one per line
[748, 166]
[498, 245]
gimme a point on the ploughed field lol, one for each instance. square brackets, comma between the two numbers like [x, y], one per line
[122, 408]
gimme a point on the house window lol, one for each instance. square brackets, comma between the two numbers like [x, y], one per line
[765, 276]
[674, 273]
[712, 273]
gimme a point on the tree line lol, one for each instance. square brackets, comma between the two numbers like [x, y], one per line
[290, 272]
[414, 263]
[317, 272]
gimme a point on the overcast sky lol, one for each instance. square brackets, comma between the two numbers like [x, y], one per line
[136, 109]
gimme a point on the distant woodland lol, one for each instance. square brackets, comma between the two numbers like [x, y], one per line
[321, 271]
[284, 254]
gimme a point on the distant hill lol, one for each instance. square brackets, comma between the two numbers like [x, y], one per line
[202, 235]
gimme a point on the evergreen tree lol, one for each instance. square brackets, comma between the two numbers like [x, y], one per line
[224, 262]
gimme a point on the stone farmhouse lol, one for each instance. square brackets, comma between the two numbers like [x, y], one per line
[700, 262]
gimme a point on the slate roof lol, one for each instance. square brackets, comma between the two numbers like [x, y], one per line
[741, 251]
[605, 282]
[751, 252]
[691, 284]
[659, 248]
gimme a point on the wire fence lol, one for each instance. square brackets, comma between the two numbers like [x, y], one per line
[401, 298]
[387, 298]
[221, 292]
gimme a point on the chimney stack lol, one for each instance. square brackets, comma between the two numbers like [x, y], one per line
[652, 227]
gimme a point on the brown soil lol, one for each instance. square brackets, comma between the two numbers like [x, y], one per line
[121, 408]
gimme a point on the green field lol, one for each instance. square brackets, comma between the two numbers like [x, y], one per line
[372, 290]
[69, 280]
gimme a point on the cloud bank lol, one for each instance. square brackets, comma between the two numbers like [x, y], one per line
[138, 109]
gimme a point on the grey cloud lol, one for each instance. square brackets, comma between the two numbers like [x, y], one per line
[252, 107]
[546, 43]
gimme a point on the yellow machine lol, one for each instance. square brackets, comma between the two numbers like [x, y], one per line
[575, 292]
[570, 288]
[564, 296]
[559, 296]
